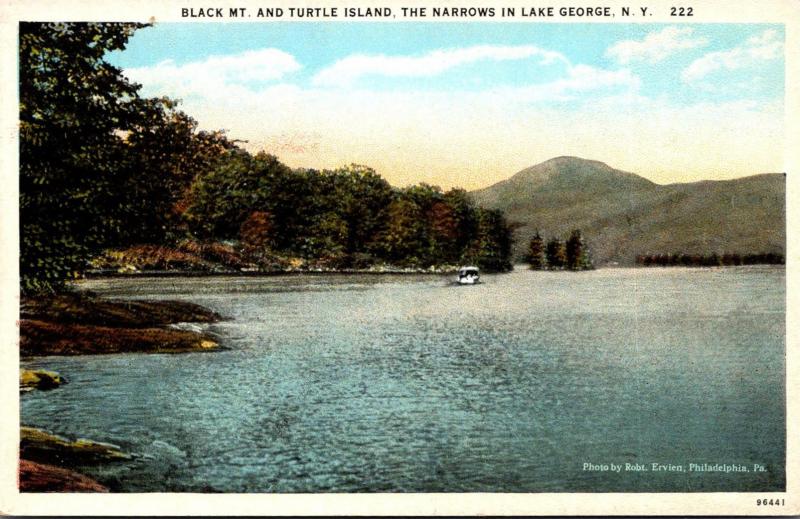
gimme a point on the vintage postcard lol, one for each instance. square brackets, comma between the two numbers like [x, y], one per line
[371, 258]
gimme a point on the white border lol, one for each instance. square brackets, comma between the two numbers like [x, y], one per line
[12, 502]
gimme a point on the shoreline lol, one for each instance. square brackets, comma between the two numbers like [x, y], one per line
[83, 323]
[112, 273]
[142, 274]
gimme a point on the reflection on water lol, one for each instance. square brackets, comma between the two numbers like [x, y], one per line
[408, 383]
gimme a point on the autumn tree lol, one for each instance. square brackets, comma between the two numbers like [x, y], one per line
[443, 225]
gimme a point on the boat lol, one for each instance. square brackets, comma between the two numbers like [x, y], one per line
[468, 276]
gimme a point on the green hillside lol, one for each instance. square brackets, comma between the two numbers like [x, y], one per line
[622, 214]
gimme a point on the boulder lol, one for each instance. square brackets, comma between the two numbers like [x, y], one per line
[44, 447]
[30, 379]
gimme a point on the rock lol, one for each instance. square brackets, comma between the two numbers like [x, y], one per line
[88, 309]
[81, 323]
[39, 338]
[39, 379]
[39, 477]
[42, 446]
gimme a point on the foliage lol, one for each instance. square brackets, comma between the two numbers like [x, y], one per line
[555, 254]
[73, 108]
[101, 167]
[404, 236]
[535, 256]
[345, 218]
[577, 257]
[221, 199]
[572, 254]
[491, 248]
[256, 233]
[362, 199]
[166, 152]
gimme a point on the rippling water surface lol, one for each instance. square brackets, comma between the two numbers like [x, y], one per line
[408, 383]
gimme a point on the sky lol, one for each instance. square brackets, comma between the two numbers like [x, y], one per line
[470, 104]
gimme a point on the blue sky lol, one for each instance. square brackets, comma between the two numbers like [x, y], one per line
[467, 103]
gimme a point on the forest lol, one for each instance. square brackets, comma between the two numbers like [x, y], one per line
[108, 177]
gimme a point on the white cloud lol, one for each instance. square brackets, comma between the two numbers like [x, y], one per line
[656, 46]
[352, 68]
[216, 72]
[580, 79]
[473, 138]
[584, 77]
[756, 49]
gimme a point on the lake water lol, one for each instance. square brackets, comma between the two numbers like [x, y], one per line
[346, 383]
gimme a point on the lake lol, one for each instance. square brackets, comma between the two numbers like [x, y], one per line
[528, 382]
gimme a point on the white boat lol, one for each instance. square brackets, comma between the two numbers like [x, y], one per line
[468, 276]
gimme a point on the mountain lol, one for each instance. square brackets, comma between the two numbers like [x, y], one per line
[622, 214]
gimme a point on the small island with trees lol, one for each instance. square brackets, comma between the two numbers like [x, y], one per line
[555, 254]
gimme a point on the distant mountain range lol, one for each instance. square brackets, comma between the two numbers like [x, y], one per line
[622, 214]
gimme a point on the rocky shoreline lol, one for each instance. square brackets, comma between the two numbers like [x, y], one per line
[47, 462]
[81, 323]
[41, 477]
[84, 324]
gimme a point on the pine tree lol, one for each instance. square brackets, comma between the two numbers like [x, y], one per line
[536, 252]
[574, 250]
[556, 257]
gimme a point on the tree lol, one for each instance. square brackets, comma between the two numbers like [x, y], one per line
[443, 233]
[362, 198]
[554, 251]
[491, 247]
[402, 242]
[466, 222]
[577, 258]
[166, 153]
[536, 252]
[220, 200]
[74, 110]
[256, 234]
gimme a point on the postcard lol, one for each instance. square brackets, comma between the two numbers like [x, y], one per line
[422, 258]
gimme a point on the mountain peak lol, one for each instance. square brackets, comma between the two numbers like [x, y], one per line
[566, 174]
[622, 214]
[566, 164]
[571, 159]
